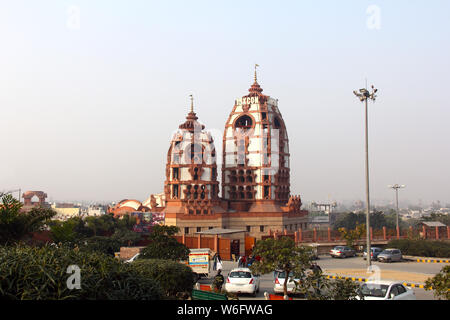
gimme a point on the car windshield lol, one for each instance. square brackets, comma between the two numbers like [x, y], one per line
[387, 252]
[240, 274]
[282, 274]
[339, 248]
[374, 290]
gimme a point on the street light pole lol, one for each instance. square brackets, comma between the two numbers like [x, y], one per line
[364, 95]
[396, 187]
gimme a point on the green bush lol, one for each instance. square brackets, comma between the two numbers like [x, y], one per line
[174, 277]
[422, 248]
[440, 284]
[32, 273]
[104, 245]
[163, 246]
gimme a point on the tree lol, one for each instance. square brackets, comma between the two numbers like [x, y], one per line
[16, 225]
[164, 246]
[101, 226]
[71, 231]
[344, 289]
[440, 283]
[351, 236]
[126, 237]
[282, 254]
[349, 220]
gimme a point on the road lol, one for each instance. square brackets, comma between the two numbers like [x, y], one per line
[327, 263]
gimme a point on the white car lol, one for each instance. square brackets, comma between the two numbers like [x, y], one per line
[241, 280]
[132, 258]
[386, 290]
[278, 286]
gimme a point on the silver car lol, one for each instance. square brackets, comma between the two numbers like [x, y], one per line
[342, 252]
[386, 290]
[389, 255]
[375, 252]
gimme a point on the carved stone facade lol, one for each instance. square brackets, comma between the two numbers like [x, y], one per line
[255, 173]
[255, 152]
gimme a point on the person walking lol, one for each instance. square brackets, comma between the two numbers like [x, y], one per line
[244, 262]
[218, 281]
[215, 262]
[317, 272]
[240, 262]
[219, 264]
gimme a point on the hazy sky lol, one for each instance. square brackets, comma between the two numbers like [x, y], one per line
[91, 91]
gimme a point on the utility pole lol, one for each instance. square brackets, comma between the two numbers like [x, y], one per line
[396, 187]
[364, 95]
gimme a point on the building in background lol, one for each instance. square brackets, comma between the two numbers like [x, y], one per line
[32, 199]
[66, 211]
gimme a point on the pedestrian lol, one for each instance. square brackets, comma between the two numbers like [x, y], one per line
[219, 264]
[316, 269]
[218, 281]
[244, 262]
[240, 262]
[215, 262]
[250, 261]
[317, 272]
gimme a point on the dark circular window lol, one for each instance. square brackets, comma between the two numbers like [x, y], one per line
[244, 123]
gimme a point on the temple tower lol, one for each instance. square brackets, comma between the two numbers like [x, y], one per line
[255, 169]
[191, 171]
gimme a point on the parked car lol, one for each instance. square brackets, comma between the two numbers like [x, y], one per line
[390, 255]
[386, 290]
[241, 280]
[375, 251]
[280, 277]
[342, 252]
[132, 258]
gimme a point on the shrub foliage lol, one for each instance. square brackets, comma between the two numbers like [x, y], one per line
[174, 277]
[422, 248]
[33, 273]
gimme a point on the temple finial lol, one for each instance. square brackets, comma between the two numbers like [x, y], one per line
[192, 103]
[256, 65]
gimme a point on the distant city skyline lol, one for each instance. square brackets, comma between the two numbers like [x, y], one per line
[91, 92]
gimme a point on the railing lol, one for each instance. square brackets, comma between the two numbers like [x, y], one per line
[384, 234]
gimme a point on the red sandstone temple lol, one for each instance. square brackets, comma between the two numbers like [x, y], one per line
[255, 190]
[255, 187]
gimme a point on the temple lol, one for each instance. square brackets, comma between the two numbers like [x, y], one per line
[255, 187]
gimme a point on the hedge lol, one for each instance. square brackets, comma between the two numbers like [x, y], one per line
[174, 277]
[32, 273]
[422, 248]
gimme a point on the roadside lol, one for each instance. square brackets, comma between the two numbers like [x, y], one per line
[383, 274]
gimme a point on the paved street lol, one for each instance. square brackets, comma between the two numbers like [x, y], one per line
[327, 263]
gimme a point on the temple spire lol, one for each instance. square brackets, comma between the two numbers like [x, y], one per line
[255, 88]
[192, 103]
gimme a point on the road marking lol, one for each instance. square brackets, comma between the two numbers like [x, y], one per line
[433, 261]
[412, 285]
